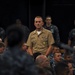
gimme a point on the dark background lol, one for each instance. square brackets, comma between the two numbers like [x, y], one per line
[62, 12]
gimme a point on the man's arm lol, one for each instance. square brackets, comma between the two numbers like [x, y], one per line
[48, 50]
[50, 42]
[29, 44]
[30, 51]
[70, 37]
[57, 37]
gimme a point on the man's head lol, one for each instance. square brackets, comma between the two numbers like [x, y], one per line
[57, 56]
[48, 20]
[42, 61]
[14, 35]
[18, 22]
[61, 68]
[55, 48]
[68, 57]
[38, 22]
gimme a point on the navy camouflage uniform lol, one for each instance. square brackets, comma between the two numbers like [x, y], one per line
[72, 37]
[14, 61]
[54, 31]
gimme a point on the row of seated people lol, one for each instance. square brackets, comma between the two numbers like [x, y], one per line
[43, 63]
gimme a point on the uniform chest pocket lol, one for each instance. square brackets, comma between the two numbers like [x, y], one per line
[33, 40]
[44, 39]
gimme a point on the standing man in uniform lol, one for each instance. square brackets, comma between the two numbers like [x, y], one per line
[52, 28]
[41, 39]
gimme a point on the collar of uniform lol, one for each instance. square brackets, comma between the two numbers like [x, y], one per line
[35, 31]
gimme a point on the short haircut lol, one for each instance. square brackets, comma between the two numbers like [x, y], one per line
[38, 17]
[48, 17]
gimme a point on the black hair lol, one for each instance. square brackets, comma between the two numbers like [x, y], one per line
[15, 35]
[60, 68]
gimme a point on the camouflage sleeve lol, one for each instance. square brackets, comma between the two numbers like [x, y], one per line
[57, 37]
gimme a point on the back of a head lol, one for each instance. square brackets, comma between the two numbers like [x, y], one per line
[42, 61]
[40, 58]
[14, 35]
[18, 21]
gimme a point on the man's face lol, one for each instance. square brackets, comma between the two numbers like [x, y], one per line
[38, 22]
[57, 57]
[55, 49]
[68, 58]
[48, 20]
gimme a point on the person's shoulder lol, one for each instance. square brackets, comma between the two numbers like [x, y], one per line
[47, 31]
[33, 32]
[54, 26]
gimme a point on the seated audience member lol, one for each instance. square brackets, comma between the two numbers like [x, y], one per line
[68, 57]
[55, 48]
[61, 68]
[57, 57]
[42, 61]
[15, 61]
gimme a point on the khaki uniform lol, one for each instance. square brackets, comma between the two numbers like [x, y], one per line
[41, 42]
